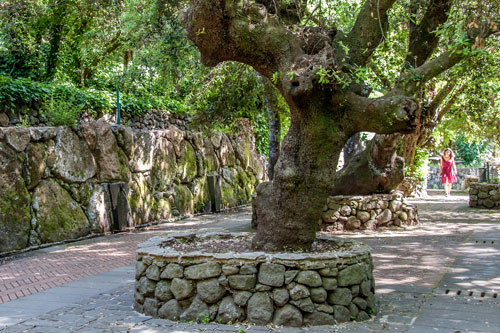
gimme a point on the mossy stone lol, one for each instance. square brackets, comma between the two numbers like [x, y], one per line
[184, 200]
[34, 164]
[59, 216]
[164, 166]
[200, 193]
[186, 166]
[228, 195]
[14, 202]
[143, 204]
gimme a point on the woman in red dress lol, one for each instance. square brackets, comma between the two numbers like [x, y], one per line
[448, 170]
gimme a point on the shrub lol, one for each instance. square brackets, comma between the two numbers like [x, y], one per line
[63, 105]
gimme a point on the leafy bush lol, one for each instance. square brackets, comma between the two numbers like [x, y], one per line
[63, 105]
[57, 112]
[470, 153]
[421, 166]
[15, 91]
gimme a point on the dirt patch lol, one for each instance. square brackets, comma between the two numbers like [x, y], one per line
[244, 244]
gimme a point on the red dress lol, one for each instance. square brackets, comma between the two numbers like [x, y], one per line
[447, 174]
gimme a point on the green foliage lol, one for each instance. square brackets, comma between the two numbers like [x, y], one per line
[470, 152]
[234, 90]
[62, 105]
[18, 92]
[57, 112]
[421, 166]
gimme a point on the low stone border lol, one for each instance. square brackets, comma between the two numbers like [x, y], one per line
[291, 289]
[368, 212]
[483, 195]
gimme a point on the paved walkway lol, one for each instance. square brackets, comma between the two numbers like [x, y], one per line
[440, 276]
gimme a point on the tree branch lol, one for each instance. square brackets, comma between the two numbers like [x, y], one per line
[225, 30]
[447, 107]
[440, 97]
[423, 37]
[413, 79]
[113, 44]
[383, 115]
[369, 31]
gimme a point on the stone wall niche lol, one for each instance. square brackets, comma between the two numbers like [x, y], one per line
[212, 277]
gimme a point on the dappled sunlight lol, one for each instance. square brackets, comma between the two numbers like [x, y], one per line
[399, 281]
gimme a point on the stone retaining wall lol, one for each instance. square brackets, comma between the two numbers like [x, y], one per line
[153, 119]
[483, 195]
[368, 212]
[290, 289]
[59, 183]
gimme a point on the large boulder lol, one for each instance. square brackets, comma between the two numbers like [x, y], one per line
[59, 216]
[226, 152]
[144, 147]
[34, 164]
[175, 135]
[229, 311]
[211, 162]
[165, 165]
[14, 202]
[187, 166]
[184, 201]
[73, 161]
[141, 199]
[124, 137]
[98, 210]
[288, 315]
[18, 138]
[229, 194]
[112, 162]
[201, 196]
[260, 308]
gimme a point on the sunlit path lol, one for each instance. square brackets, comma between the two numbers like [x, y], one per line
[440, 275]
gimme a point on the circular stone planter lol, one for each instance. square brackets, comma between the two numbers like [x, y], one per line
[285, 288]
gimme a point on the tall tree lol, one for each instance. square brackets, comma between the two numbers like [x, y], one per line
[382, 170]
[323, 114]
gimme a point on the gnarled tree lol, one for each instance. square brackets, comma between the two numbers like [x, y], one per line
[378, 168]
[324, 113]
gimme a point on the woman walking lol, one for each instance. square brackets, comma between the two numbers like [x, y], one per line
[448, 170]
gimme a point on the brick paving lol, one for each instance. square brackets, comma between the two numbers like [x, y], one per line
[40, 270]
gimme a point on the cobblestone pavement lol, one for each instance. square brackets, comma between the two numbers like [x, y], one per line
[440, 276]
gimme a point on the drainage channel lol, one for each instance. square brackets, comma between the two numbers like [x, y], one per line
[471, 293]
[485, 242]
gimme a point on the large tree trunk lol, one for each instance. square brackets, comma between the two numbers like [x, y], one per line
[274, 122]
[353, 147]
[289, 208]
[323, 114]
[377, 169]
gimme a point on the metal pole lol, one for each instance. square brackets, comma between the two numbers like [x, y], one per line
[117, 107]
[487, 172]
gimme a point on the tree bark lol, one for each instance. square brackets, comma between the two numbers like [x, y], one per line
[353, 147]
[376, 169]
[274, 121]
